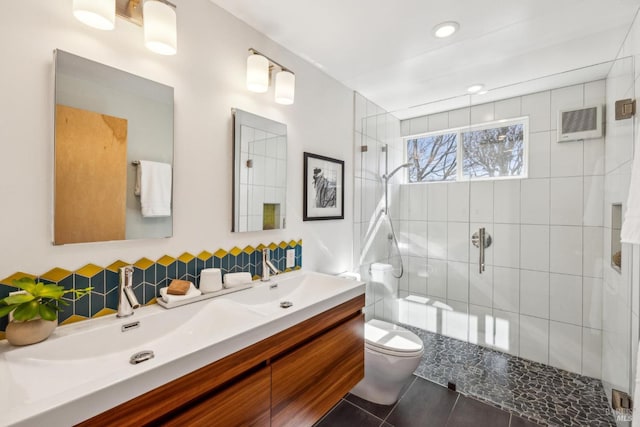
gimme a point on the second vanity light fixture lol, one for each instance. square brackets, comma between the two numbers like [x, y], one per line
[259, 68]
[157, 17]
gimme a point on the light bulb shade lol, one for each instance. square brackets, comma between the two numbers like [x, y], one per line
[285, 87]
[160, 34]
[100, 14]
[257, 73]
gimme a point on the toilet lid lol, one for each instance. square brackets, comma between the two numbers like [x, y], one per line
[391, 339]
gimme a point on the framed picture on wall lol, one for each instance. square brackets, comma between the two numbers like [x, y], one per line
[323, 188]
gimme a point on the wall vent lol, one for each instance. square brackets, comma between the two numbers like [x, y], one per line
[583, 123]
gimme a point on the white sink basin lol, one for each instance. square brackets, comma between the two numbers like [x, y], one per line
[300, 290]
[152, 330]
[83, 369]
[75, 357]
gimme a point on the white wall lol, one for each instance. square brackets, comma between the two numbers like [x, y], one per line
[540, 295]
[208, 76]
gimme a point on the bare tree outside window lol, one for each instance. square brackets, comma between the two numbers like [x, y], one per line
[493, 152]
[484, 151]
[436, 156]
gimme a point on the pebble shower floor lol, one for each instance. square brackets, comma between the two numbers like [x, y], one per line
[541, 393]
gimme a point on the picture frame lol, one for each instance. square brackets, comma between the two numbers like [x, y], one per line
[323, 188]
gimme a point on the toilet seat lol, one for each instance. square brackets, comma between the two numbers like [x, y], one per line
[387, 338]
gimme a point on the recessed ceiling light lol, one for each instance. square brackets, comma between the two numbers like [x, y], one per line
[482, 92]
[475, 88]
[445, 29]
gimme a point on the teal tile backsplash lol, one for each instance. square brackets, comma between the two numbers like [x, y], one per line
[149, 276]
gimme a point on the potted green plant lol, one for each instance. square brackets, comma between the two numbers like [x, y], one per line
[35, 310]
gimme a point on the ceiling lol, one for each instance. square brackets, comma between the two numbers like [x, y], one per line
[386, 51]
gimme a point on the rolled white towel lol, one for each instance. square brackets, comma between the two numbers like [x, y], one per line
[191, 293]
[236, 279]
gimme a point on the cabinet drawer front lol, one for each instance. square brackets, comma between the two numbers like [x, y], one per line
[245, 403]
[309, 381]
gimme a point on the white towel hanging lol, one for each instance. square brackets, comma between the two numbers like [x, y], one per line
[153, 185]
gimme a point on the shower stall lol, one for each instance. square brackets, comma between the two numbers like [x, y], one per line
[512, 257]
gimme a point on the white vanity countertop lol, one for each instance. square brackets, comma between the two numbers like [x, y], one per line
[83, 369]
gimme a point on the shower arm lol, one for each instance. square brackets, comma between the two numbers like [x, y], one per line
[387, 175]
[386, 178]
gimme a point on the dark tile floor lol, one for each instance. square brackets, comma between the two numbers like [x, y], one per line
[422, 404]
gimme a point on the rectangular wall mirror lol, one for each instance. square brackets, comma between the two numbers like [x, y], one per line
[259, 173]
[110, 127]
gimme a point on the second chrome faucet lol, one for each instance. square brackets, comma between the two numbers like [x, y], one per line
[267, 265]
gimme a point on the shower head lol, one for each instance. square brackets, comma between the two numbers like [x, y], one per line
[393, 172]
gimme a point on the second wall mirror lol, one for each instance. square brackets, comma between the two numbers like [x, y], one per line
[259, 173]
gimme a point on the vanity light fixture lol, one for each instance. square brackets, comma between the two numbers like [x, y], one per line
[157, 17]
[445, 29]
[259, 69]
[100, 14]
[257, 73]
[285, 87]
[160, 27]
[476, 88]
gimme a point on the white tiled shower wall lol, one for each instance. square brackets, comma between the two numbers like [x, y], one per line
[540, 296]
[373, 128]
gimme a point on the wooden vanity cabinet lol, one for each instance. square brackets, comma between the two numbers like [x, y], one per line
[308, 382]
[291, 378]
[244, 403]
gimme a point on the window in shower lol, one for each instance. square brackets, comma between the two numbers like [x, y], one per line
[493, 150]
[437, 157]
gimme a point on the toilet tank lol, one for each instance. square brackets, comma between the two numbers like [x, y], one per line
[383, 274]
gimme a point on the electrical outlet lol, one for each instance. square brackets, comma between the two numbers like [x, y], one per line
[291, 258]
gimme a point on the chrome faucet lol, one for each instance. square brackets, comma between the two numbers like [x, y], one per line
[127, 300]
[267, 266]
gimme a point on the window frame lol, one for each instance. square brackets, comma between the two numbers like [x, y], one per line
[460, 177]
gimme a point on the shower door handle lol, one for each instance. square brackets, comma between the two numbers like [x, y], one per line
[481, 239]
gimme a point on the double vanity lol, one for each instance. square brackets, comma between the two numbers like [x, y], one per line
[281, 352]
[241, 358]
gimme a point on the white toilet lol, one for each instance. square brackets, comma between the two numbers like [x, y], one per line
[391, 352]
